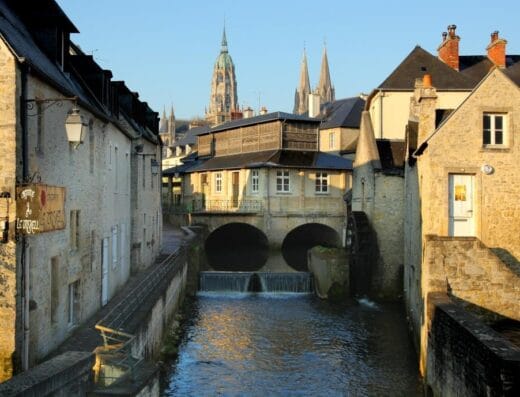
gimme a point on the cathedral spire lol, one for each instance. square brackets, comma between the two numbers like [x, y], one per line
[304, 88]
[325, 88]
[224, 41]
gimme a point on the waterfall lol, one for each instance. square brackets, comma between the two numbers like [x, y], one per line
[224, 281]
[287, 282]
[296, 282]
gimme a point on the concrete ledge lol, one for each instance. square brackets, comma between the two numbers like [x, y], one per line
[67, 374]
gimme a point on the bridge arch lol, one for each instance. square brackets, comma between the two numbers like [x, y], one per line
[302, 238]
[237, 246]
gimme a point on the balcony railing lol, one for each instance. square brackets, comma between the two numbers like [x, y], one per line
[226, 206]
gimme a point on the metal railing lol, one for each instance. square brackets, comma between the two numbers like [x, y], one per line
[117, 338]
[227, 205]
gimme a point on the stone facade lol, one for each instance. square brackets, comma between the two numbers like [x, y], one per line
[223, 100]
[466, 269]
[55, 280]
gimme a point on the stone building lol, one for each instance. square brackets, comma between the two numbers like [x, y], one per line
[265, 175]
[74, 208]
[377, 193]
[462, 225]
[223, 99]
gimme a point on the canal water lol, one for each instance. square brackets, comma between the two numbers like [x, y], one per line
[289, 344]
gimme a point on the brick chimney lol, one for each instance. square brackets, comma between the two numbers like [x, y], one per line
[449, 48]
[496, 50]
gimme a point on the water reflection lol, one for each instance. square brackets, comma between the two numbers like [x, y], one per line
[293, 345]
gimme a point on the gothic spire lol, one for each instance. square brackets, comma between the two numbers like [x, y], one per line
[325, 88]
[163, 124]
[304, 88]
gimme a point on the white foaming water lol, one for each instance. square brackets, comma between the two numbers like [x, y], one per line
[368, 303]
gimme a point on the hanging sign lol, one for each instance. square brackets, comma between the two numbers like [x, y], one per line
[39, 208]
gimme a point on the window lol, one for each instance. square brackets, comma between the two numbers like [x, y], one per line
[282, 181]
[218, 182]
[332, 140]
[74, 229]
[255, 179]
[494, 129]
[73, 303]
[322, 182]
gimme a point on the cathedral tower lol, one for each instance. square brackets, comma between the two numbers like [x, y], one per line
[223, 100]
[325, 88]
[301, 96]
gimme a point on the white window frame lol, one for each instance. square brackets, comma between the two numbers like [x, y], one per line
[218, 182]
[332, 140]
[322, 183]
[255, 181]
[283, 181]
[493, 130]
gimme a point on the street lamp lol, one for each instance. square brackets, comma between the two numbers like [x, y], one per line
[76, 126]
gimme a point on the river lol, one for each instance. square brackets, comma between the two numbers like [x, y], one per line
[292, 345]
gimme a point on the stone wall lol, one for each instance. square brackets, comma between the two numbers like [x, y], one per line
[9, 93]
[330, 269]
[468, 270]
[465, 357]
[69, 374]
[387, 220]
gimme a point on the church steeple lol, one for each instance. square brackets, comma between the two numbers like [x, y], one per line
[163, 125]
[301, 101]
[224, 42]
[171, 126]
[325, 88]
[223, 100]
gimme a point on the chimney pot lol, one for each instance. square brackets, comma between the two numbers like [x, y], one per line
[451, 30]
[494, 36]
[427, 80]
[444, 35]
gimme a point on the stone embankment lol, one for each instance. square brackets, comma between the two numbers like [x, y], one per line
[114, 351]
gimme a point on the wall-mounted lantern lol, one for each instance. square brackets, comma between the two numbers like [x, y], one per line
[76, 126]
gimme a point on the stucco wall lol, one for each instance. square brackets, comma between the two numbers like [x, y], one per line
[395, 105]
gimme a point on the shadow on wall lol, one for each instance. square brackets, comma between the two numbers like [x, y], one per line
[509, 259]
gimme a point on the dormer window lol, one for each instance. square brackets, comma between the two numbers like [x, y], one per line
[494, 129]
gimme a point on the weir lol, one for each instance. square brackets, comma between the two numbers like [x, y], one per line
[296, 282]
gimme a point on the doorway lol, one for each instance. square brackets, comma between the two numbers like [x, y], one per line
[461, 214]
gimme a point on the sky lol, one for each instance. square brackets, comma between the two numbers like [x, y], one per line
[166, 49]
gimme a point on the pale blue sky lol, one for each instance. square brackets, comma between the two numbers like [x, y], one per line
[165, 50]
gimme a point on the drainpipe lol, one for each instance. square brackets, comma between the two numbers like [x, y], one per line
[380, 114]
[24, 274]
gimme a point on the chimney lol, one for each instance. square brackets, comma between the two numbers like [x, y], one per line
[496, 50]
[314, 104]
[248, 112]
[263, 110]
[449, 48]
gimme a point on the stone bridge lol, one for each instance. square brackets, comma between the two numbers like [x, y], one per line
[247, 234]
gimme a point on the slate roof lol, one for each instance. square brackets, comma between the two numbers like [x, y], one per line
[264, 118]
[473, 68]
[514, 73]
[420, 62]
[14, 32]
[343, 113]
[276, 159]
[391, 154]
[190, 137]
